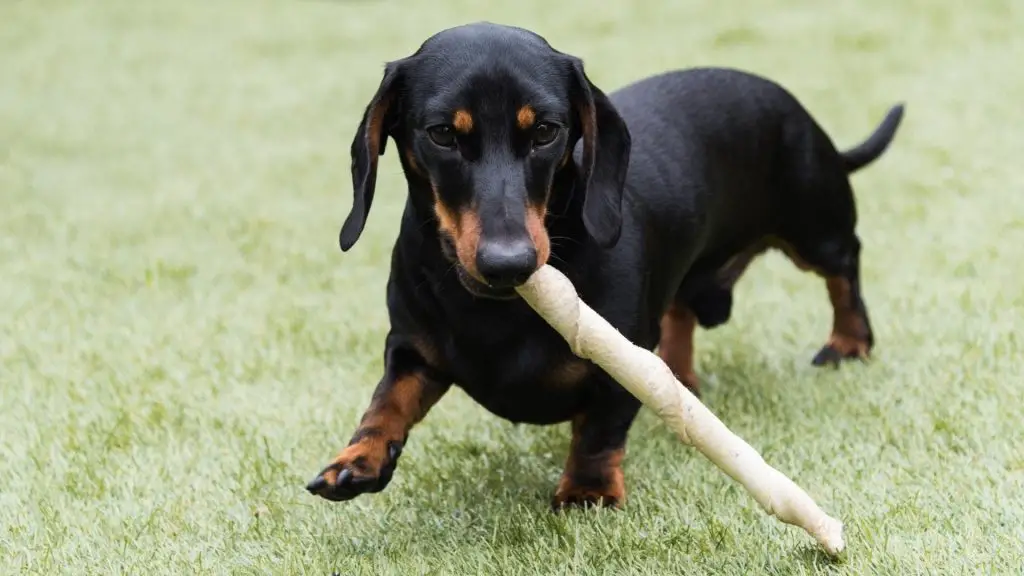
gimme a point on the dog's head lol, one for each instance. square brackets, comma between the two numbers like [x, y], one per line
[488, 115]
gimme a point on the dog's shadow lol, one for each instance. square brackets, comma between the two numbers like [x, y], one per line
[460, 491]
[511, 466]
[817, 559]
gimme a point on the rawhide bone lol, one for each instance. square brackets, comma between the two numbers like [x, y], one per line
[648, 378]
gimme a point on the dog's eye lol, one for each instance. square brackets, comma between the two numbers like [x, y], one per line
[443, 136]
[544, 134]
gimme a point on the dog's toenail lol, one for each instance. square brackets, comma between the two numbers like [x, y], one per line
[316, 484]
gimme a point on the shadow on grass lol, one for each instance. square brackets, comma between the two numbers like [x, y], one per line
[815, 557]
[458, 490]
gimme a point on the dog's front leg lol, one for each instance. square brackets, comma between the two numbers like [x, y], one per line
[593, 471]
[404, 395]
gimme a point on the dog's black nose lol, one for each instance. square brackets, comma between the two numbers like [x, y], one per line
[506, 264]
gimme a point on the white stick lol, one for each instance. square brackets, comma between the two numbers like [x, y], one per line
[644, 374]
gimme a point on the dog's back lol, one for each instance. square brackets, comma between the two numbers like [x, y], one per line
[707, 138]
[726, 164]
[732, 152]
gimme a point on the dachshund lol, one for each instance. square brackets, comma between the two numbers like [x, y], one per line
[651, 199]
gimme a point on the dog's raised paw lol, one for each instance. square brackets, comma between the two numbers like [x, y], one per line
[363, 467]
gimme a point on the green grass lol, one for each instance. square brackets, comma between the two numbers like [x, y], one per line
[182, 344]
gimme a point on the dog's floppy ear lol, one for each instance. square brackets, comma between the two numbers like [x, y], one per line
[606, 147]
[369, 143]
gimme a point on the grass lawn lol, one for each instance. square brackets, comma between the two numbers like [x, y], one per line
[183, 346]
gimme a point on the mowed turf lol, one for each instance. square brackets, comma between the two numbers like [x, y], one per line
[183, 346]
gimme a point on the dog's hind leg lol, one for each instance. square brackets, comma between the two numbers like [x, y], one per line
[675, 348]
[818, 233]
[822, 239]
[839, 264]
[705, 299]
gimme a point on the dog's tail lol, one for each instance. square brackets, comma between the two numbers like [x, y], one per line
[867, 151]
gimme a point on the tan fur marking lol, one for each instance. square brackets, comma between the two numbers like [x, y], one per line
[464, 229]
[388, 419]
[676, 345]
[790, 253]
[373, 128]
[577, 482]
[467, 242]
[535, 216]
[848, 346]
[525, 117]
[447, 222]
[428, 351]
[849, 333]
[410, 158]
[733, 270]
[463, 121]
[568, 374]
[588, 120]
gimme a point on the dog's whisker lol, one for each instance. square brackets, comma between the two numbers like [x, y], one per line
[556, 258]
[555, 239]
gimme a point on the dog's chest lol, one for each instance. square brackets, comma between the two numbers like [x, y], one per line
[518, 370]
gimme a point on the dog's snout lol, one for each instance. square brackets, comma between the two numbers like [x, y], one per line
[506, 264]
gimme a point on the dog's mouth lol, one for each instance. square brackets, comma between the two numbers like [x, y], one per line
[469, 282]
[481, 290]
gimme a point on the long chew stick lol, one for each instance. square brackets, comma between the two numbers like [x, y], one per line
[644, 374]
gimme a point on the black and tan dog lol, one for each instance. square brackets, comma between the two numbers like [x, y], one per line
[652, 200]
